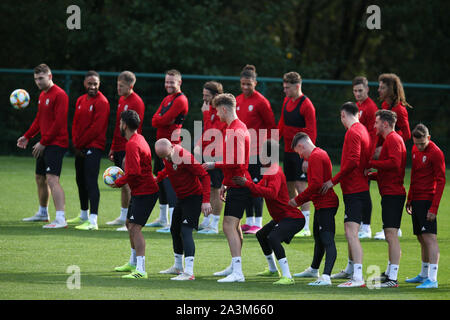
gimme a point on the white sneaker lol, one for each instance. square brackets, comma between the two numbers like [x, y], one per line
[308, 273]
[364, 234]
[116, 222]
[352, 283]
[124, 228]
[56, 225]
[341, 275]
[233, 277]
[224, 273]
[164, 230]
[157, 223]
[183, 277]
[379, 235]
[172, 270]
[38, 217]
[320, 282]
[202, 226]
[208, 230]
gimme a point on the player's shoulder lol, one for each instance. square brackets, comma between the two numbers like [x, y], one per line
[101, 97]
[58, 91]
[435, 150]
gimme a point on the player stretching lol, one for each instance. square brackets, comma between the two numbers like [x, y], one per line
[286, 220]
[89, 126]
[192, 186]
[51, 122]
[144, 191]
[425, 193]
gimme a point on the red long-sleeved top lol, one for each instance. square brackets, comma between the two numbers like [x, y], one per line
[390, 165]
[211, 122]
[402, 124]
[132, 102]
[307, 111]
[354, 160]
[427, 175]
[236, 153]
[367, 110]
[51, 118]
[273, 188]
[169, 116]
[138, 167]
[186, 175]
[319, 171]
[255, 111]
[90, 122]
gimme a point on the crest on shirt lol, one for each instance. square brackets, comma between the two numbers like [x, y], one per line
[47, 101]
[250, 107]
[424, 159]
[174, 166]
[125, 108]
[212, 117]
[79, 107]
[360, 113]
[91, 107]
[414, 156]
[237, 108]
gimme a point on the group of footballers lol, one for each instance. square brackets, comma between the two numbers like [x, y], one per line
[230, 165]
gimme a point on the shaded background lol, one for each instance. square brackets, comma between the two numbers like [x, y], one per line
[317, 38]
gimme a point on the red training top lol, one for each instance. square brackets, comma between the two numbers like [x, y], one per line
[256, 113]
[390, 165]
[211, 121]
[51, 118]
[90, 122]
[402, 124]
[354, 160]
[236, 153]
[367, 110]
[427, 175]
[132, 102]
[170, 116]
[138, 167]
[186, 175]
[273, 188]
[319, 172]
[293, 120]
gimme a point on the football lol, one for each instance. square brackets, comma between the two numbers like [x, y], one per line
[111, 174]
[19, 99]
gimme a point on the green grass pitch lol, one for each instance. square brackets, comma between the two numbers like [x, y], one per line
[34, 261]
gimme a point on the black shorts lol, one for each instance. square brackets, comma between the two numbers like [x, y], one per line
[391, 210]
[141, 206]
[255, 170]
[419, 218]
[293, 167]
[237, 200]
[158, 165]
[51, 161]
[284, 230]
[324, 220]
[118, 159]
[356, 206]
[187, 211]
[216, 176]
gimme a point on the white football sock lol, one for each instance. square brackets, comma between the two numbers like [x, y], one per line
[271, 261]
[349, 267]
[170, 215]
[258, 221]
[189, 265]
[178, 261]
[140, 263]
[214, 222]
[84, 214]
[388, 268]
[284, 266]
[365, 228]
[326, 277]
[163, 211]
[207, 220]
[237, 265]
[433, 272]
[357, 271]
[306, 214]
[133, 257]
[393, 271]
[43, 211]
[93, 218]
[60, 216]
[123, 214]
[424, 271]
[250, 221]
